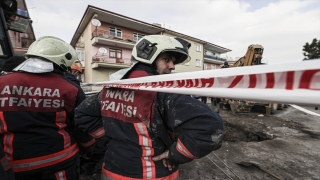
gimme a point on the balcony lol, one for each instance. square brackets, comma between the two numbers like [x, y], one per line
[106, 61]
[104, 37]
[215, 59]
[21, 42]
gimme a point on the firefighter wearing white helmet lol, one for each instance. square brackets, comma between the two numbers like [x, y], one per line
[53, 49]
[153, 131]
[38, 112]
[149, 47]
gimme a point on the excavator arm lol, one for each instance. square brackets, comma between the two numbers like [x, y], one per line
[252, 57]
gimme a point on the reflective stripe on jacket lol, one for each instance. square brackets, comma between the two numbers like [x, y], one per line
[44, 161]
[36, 119]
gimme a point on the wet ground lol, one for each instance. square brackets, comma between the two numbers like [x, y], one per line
[286, 144]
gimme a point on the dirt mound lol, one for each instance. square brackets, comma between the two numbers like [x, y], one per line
[252, 127]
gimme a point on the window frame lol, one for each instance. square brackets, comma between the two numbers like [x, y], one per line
[138, 35]
[83, 54]
[115, 51]
[116, 31]
[198, 60]
[198, 49]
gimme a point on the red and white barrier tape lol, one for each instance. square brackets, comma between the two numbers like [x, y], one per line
[304, 110]
[297, 83]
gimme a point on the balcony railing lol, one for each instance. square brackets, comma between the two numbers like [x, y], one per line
[109, 60]
[214, 57]
[105, 34]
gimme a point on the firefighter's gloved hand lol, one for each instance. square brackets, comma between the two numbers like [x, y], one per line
[87, 156]
[165, 160]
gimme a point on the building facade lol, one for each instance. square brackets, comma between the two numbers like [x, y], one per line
[104, 41]
[21, 41]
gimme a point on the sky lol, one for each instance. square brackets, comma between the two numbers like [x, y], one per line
[282, 27]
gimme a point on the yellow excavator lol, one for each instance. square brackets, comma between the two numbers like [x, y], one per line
[251, 58]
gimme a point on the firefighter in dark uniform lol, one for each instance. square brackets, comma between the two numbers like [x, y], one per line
[37, 110]
[149, 133]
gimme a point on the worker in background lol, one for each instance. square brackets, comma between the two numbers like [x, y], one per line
[73, 73]
[89, 166]
[204, 99]
[76, 69]
[150, 133]
[12, 63]
[225, 65]
[37, 110]
[215, 102]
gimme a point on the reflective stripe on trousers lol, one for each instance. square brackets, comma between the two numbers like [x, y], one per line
[61, 175]
[108, 175]
[5, 163]
[44, 161]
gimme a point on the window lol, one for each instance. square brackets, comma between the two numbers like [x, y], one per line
[80, 53]
[198, 47]
[198, 63]
[137, 36]
[113, 53]
[116, 32]
[213, 66]
[205, 66]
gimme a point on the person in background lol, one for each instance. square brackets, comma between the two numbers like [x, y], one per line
[149, 133]
[76, 69]
[204, 99]
[73, 73]
[225, 65]
[215, 102]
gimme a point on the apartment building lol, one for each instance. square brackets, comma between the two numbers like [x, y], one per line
[104, 41]
[212, 56]
[22, 40]
[195, 52]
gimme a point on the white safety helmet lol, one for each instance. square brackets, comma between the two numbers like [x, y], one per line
[149, 47]
[53, 49]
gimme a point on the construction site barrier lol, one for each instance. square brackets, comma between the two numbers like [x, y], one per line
[291, 83]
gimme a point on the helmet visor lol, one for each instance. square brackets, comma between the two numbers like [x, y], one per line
[181, 57]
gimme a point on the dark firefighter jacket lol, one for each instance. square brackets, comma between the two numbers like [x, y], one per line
[142, 124]
[36, 120]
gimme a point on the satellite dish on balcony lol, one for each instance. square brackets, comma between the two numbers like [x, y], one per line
[96, 22]
[102, 50]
